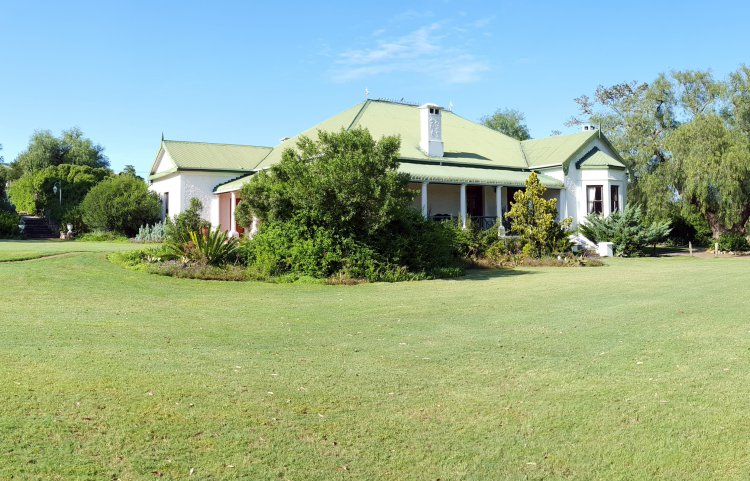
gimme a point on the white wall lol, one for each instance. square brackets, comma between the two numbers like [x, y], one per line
[572, 201]
[182, 186]
[164, 162]
[201, 185]
[173, 185]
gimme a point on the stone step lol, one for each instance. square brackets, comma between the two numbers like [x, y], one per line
[38, 228]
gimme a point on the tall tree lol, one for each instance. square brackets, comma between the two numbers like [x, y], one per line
[534, 219]
[46, 150]
[710, 169]
[130, 170]
[509, 122]
[664, 128]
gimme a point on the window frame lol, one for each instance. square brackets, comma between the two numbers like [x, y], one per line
[614, 198]
[592, 203]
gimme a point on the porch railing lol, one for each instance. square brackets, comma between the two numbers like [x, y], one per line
[480, 222]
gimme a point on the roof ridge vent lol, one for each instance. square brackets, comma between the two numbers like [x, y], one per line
[400, 101]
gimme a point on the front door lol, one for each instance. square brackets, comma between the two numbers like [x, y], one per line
[474, 201]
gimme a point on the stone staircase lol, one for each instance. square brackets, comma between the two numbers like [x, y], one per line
[38, 228]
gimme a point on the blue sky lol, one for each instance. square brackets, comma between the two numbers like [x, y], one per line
[253, 72]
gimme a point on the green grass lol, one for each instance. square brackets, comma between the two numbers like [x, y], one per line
[15, 250]
[635, 370]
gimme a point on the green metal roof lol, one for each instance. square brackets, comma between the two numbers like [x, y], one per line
[209, 157]
[233, 184]
[466, 142]
[341, 121]
[450, 174]
[554, 150]
[596, 159]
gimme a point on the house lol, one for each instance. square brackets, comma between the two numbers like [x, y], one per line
[460, 169]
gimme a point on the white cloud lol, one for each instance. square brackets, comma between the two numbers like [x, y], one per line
[431, 50]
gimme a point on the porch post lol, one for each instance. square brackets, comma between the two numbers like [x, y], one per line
[424, 199]
[499, 202]
[463, 206]
[562, 206]
[215, 210]
[232, 206]
[254, 227]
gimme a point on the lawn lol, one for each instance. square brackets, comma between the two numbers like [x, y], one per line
[13, 250]
[635, 370]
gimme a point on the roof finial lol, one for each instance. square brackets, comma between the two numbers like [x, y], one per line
[162, 136]
[450, 106]
[367, 93]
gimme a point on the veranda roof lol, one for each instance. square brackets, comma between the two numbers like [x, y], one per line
[232, 185]
[448, 174]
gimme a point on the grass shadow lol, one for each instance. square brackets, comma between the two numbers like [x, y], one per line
[487, 274]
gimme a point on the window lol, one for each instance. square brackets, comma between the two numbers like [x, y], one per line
[614, 198]
[594, 199]
[165, 201]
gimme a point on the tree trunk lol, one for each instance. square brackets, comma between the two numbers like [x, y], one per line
[718, 228]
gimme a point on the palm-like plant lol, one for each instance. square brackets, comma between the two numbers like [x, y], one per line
[213, 247]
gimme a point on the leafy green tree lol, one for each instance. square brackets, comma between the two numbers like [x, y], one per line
[130, 170]
[534, 219]
[509, 122]
[661, 130]
[46, 150]
[120, 204]
[345, 180]
[34, 192]
[339, 206]
[710, 170]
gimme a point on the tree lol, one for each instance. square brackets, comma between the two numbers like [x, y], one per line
[509, 122]
[120, 204]
[130, 170]
[533, 219]
[660, 130]
[71, 147]
[34, 192]
[345, 180]
[710, 170]
[338, 206]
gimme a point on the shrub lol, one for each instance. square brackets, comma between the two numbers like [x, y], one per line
[151, 233]
[690, 227]
[214, 247]
[281, 247]
[472, 242]
[122, 204]
[627, 230]
[101, 236]
[286, 247]
[187, 221]
[532, 218]
[339, 208]
[9, 225]
[733, 243]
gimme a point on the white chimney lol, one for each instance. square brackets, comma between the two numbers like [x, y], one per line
[588, 127]
[431, 130]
